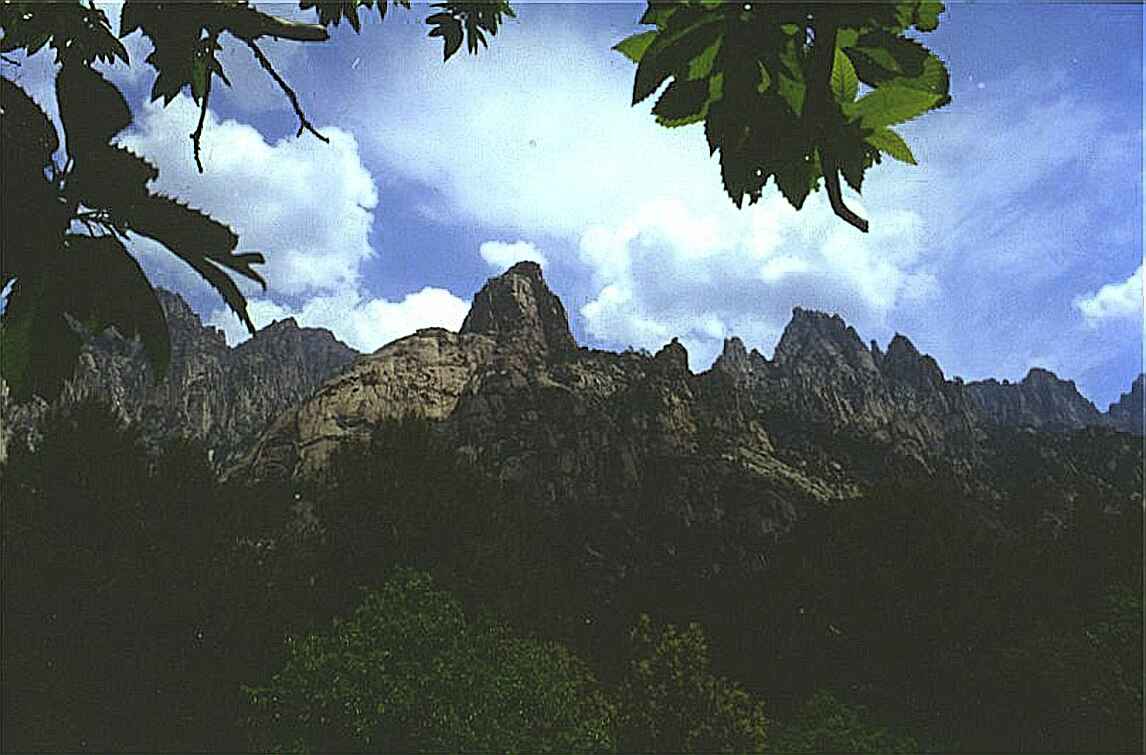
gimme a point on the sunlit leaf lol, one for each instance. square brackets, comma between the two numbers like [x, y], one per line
[889, 105]
[891, 143]
[845, 83]
[634, 47]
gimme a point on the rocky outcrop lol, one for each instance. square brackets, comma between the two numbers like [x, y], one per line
[752, 441]
[1128, 413]
[222, 396]
[518, 307]
[1041, 400]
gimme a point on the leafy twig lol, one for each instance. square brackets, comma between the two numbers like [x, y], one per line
[197, 134]
[304, 124]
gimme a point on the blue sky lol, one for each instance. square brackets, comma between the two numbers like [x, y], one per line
[1016, 242]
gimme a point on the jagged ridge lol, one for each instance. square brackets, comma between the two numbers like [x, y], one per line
[825, 419]
[221, 396]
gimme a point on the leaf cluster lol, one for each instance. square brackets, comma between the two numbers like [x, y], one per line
[777, 86]
[74, 31]
[671, 701]
[458, 19]
[825, 724]
[66, 282]
[408, 672]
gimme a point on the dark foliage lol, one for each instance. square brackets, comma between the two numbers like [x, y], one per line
[141, 596]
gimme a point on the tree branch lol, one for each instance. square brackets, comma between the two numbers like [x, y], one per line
[819, 101]
[304, 124]
[835, 197]
[197, 134]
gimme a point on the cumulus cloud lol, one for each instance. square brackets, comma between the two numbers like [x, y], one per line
[672, 271]
[307, 206]
[304, 204]
[1114, 301]
[501, 254]
[364, 323]
[639, 210]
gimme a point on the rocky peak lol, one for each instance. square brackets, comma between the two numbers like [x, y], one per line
[821, 339]
[1040, 400]
[734, 358]
[286, 324]
[1128, 413]
[1051, 386]
[518, 306]
[673, 357]
[185, 326]
[904, 363]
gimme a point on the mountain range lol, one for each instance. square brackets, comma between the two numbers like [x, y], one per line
[218, 395]
[826, 418]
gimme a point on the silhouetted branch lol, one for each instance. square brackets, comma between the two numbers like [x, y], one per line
[304, 124]
[197, 134]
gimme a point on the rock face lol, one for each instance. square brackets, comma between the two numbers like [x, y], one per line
[220, 395]
[1128, 413]
[1041, 400]
[519, 307]
[746, 445]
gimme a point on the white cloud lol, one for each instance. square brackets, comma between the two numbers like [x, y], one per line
[1114, 301]
[306, 205]
[661, 248]
[365, 324]
[502, 255]
[671, 271]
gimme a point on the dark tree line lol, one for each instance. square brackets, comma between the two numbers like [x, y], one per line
[148, 607]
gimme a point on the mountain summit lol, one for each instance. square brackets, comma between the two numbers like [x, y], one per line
[518, 305]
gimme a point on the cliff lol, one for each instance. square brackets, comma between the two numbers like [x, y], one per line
[216, 394]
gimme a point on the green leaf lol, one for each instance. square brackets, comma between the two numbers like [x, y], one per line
[24, 126]
[926, 17]
[202, 242]
[701, 66]
[793, 92]
[659, 13]
[634, 47]
[880, 56]
[844, 82]
[932, 77]
[92, 109]
[38, 347]
[682, 102]
[794, 179]
[852, 169]
[109, 289]
[889, 105]
[891, 143]
[673, 51]
[765, 79]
